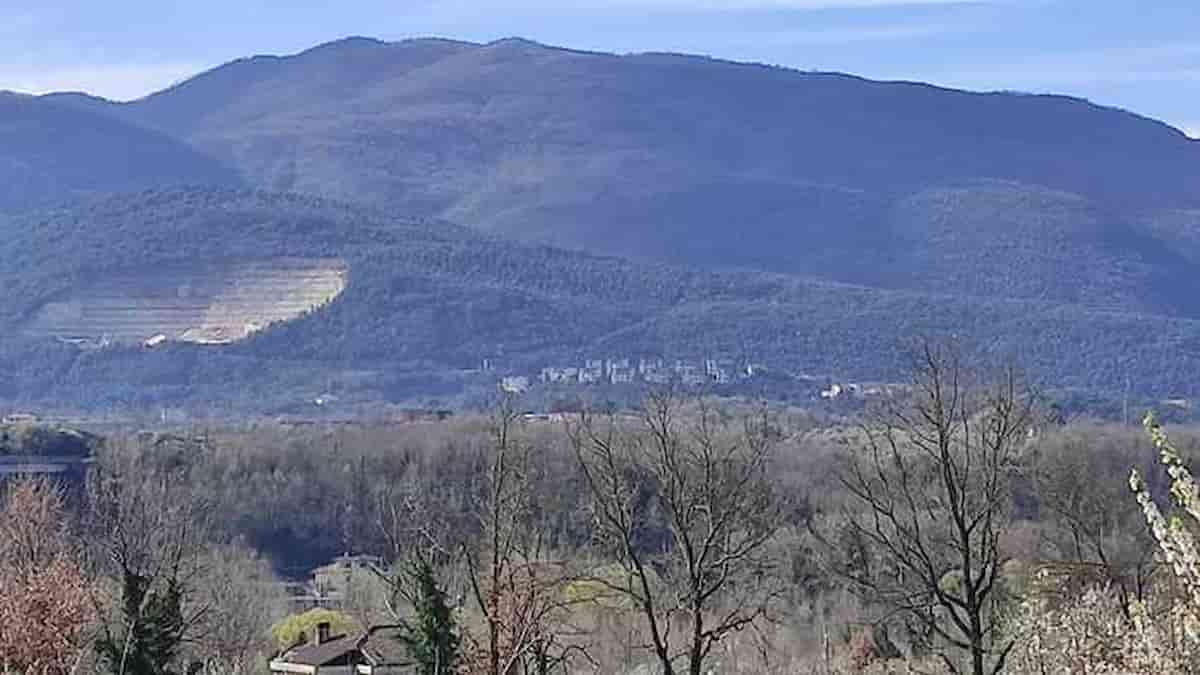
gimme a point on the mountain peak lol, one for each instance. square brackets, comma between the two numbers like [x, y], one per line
[349, 42]
[517, 42]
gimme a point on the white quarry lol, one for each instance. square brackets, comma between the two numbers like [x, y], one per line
[212, 303]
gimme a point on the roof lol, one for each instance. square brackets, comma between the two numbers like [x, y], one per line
[382, 646]
[322, 654]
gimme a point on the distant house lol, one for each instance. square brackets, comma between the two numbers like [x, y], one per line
[689, 375]
[332, 584]
[338, 574]
[34, 450]
[614, 364]
[657, 376]
[378, 651]
[622, 374]
[560, 375]
[592, 371]
[834, 391]
[75, 468]
[515, 384]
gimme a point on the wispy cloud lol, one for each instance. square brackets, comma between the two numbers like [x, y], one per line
[119, 82]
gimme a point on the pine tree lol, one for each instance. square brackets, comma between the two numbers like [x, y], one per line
[432, 634]
[150, 633]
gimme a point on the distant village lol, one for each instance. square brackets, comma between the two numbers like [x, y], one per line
[619, 371]
[698, 373]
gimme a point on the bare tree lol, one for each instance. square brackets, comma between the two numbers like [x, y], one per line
[1098, 534]
[687, 505]
[514, 585]
[152, 536]
[243, 599]
[931, 488]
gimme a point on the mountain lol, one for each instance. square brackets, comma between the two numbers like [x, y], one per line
[415, 207]
[52, 152]
[424, 299]
[696, 161]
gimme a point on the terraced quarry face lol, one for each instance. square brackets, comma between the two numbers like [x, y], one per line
[215, 303]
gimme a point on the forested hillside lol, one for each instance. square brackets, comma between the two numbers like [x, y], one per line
[426, 297]
[52, 153]
[808, 221]
[696, 161]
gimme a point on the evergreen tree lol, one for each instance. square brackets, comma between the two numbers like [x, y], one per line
[151, 630]
[431, 635]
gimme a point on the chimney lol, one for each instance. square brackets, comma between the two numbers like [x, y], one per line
[322, 634]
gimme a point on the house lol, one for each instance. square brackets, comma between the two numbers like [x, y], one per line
[657, 376]
[75, 468]
[592, 371]
[515, 384]
[834, 391]
[345, 580]
[614, 364]
[646, 366]
[325, 654]
[383, 653]
[560, 375]
[378, 651]
[754, 370]
[689, 375]
[622, 375]
[32, 450]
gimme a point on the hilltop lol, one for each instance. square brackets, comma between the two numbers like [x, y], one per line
[52, 153]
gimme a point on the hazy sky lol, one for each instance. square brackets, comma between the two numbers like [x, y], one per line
[1143, 55]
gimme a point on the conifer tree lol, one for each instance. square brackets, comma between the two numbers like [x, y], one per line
[148, 637]
[431, 635]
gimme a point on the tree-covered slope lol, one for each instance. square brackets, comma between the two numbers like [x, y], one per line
[428, 297]
[696, 161]
[51, 153]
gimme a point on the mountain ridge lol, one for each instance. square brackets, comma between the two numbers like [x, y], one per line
[684, 159]
[424, 299]
[54, 153]
[645, 203]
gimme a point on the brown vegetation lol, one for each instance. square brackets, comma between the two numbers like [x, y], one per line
[688, 537]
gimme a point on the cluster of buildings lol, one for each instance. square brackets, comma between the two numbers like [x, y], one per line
[618, 371]
[854, 390]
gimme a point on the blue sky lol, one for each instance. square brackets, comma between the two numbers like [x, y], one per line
[1143, 55]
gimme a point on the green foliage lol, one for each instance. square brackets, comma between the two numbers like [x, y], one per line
[427, 299]
[1034, 238]
[54, 151]
[150, 633]
[706, 162]
[431, 635]
[44, 441]
[299, 628]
